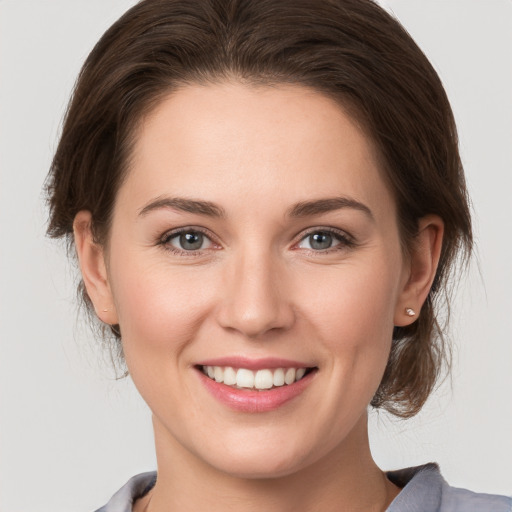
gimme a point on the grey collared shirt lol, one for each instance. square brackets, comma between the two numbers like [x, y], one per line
[423, 490]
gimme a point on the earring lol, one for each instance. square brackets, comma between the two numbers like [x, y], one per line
[410, 312]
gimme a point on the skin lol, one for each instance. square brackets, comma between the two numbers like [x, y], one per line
[257, 288]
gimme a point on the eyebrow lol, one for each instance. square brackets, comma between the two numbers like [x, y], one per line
[302, 209]
[185, 205]
[319, 206]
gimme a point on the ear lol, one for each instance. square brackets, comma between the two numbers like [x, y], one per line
[93, 267]
[423, 260]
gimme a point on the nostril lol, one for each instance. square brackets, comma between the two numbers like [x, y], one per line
[256, 320]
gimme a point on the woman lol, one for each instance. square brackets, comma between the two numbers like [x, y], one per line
[266, 200]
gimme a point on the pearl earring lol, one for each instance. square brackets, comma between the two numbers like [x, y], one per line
[410, 312]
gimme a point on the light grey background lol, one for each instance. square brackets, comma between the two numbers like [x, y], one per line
[70, 434]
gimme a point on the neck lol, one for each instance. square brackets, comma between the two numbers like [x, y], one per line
[346, 479]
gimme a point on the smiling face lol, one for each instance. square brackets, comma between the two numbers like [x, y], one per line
[254, 239]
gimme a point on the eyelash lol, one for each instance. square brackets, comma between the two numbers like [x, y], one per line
[168, 236]
[344, 239]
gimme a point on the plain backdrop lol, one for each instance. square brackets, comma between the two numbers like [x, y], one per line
[70, 434]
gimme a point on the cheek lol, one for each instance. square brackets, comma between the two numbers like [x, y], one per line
[352, 314]
[353, 304]
[159, 309]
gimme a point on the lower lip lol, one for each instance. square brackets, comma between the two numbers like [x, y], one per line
[255, 401]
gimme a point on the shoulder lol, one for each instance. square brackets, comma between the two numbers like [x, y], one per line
[132, 490]
[462, 500]
[425, 490]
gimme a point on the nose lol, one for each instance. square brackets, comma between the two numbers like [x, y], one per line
[255, 299]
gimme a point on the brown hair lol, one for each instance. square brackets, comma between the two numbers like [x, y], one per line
[351, 50]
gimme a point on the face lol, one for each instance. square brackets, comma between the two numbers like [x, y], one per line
[255, 240]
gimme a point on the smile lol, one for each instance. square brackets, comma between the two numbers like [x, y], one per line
[255, 385]
[263, 379]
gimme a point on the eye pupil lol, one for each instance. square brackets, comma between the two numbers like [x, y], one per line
[191, 241]
[320, 241]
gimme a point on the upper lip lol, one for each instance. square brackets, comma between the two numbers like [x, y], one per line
[254, 364]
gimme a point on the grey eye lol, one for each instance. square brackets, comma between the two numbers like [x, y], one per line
[319, 241]
[190, 241]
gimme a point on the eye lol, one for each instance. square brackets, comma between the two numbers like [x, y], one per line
[323, 240]
[189, 240]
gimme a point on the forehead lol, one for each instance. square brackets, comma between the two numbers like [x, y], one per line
[285, 141]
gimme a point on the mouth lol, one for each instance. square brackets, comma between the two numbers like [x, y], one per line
[260, 385]
[264, 379]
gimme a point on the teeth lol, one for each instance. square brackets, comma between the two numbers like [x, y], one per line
[264, 379]
[244, 378]
[261, 379]
[229, 376]
[279, 377]
[218, 374]
[289, 376]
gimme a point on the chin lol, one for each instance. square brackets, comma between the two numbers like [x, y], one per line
[260, 468]
[261, 460]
